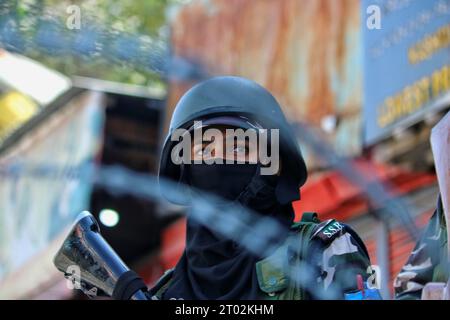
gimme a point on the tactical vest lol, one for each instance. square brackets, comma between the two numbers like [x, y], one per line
[273, 271]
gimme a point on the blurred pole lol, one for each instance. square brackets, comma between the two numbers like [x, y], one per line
[383, 253]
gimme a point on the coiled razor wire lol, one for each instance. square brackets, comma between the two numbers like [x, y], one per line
[260, 235]
[152, 54]
[376, 192]
[48, 34]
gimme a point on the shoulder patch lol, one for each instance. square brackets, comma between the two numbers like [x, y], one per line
[327, 231]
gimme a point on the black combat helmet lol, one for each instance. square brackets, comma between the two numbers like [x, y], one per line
[225, 97]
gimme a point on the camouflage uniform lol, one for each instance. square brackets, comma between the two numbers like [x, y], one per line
[428, 260]
[334, 256]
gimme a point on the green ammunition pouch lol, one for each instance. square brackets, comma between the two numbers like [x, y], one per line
[273, 272]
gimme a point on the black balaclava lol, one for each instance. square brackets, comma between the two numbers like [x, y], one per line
[213, 266]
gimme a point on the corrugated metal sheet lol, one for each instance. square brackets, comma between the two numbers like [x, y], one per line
[36, 210]
[307, 53]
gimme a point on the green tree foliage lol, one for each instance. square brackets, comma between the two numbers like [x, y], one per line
[142, 21]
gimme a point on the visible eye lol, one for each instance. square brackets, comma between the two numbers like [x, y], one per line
[199, 152]
[203, 151]
[240, 149]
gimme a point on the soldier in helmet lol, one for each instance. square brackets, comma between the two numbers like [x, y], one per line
[215, 267]
[428, 261]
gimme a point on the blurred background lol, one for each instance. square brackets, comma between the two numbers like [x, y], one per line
[96, 81]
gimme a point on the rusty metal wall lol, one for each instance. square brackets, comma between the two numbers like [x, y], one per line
[307, 53]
